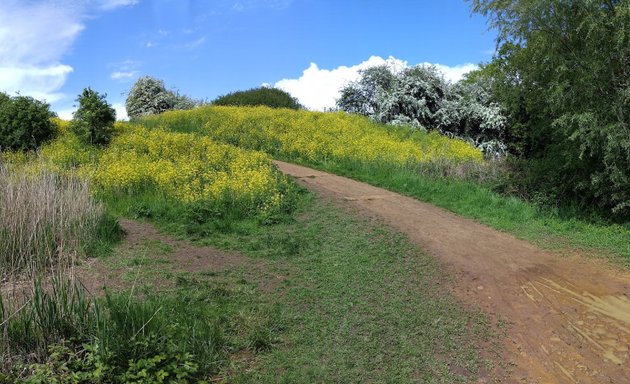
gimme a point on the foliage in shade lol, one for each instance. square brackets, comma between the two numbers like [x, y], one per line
[271, 97]
[93, 121]
[562, 72]
[24, 123]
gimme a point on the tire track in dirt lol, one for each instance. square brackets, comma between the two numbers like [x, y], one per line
[569, 316]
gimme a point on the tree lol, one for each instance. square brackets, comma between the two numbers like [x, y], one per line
[24, 123]
[364, 96]
[563, 74]
[149, 96]
[421, 98]
[93, 121]
[271, 97]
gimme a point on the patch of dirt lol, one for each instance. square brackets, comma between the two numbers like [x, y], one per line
[176, 255]
[568, 316]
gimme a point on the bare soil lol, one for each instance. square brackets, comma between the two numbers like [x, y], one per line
[568, 316]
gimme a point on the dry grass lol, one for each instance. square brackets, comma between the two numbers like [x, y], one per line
[45, 221]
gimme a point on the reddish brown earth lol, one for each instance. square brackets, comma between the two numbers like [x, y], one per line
[569, 317]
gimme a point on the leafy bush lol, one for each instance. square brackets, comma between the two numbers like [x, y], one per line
[271, 97]
[562, 74]
[149, 96]
[93, 121]
[24, 123]
[421, 98]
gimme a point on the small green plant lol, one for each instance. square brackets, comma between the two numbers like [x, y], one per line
[25, 123]
[61, 335]
[271, 97]
[93, 122]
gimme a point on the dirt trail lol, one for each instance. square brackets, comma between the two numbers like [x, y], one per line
[569, 316]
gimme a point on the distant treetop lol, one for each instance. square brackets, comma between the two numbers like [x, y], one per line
[271, 97]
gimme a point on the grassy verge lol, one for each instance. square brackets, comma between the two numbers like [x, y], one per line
[555, 230]
[361, 304]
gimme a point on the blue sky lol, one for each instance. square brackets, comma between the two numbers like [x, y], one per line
[52, 49]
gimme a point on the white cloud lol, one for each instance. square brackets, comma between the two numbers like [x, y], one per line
[107, 5]
[318, 89]
[196, 43]
[34, 37]
[66, 114]
[456, 73]
[118, 75]
[121, 111]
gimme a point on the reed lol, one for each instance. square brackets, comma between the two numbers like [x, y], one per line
[46, 221]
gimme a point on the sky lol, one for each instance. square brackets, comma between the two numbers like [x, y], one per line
[53, 49]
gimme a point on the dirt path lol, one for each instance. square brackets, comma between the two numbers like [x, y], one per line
[569, 317]
[142, 239]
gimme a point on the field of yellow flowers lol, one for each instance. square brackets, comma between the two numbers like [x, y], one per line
[316, 136]
[184, 167]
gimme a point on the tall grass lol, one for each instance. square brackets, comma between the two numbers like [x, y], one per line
[45, 221]
[59, 332]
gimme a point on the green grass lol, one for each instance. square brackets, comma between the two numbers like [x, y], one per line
[361, 305]
[556, 229]
[328, 297]
[551, 229]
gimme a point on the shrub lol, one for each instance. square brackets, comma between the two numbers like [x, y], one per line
[149, 96]
[60, 334]
[24, 123]
[420, 97]
[94, 121]
[563, 78]
[271, 97]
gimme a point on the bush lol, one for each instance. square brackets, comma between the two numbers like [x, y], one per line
[24, 123]
[94, 121]
[271, 97]
[149, 96]
[421, 98]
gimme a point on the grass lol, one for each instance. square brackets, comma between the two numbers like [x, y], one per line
[360, 304]
[552, 229]
[351, 301]
[467, 191]
[47, 221]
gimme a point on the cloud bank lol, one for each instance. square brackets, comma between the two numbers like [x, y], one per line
[34, 37]
[318, 89]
